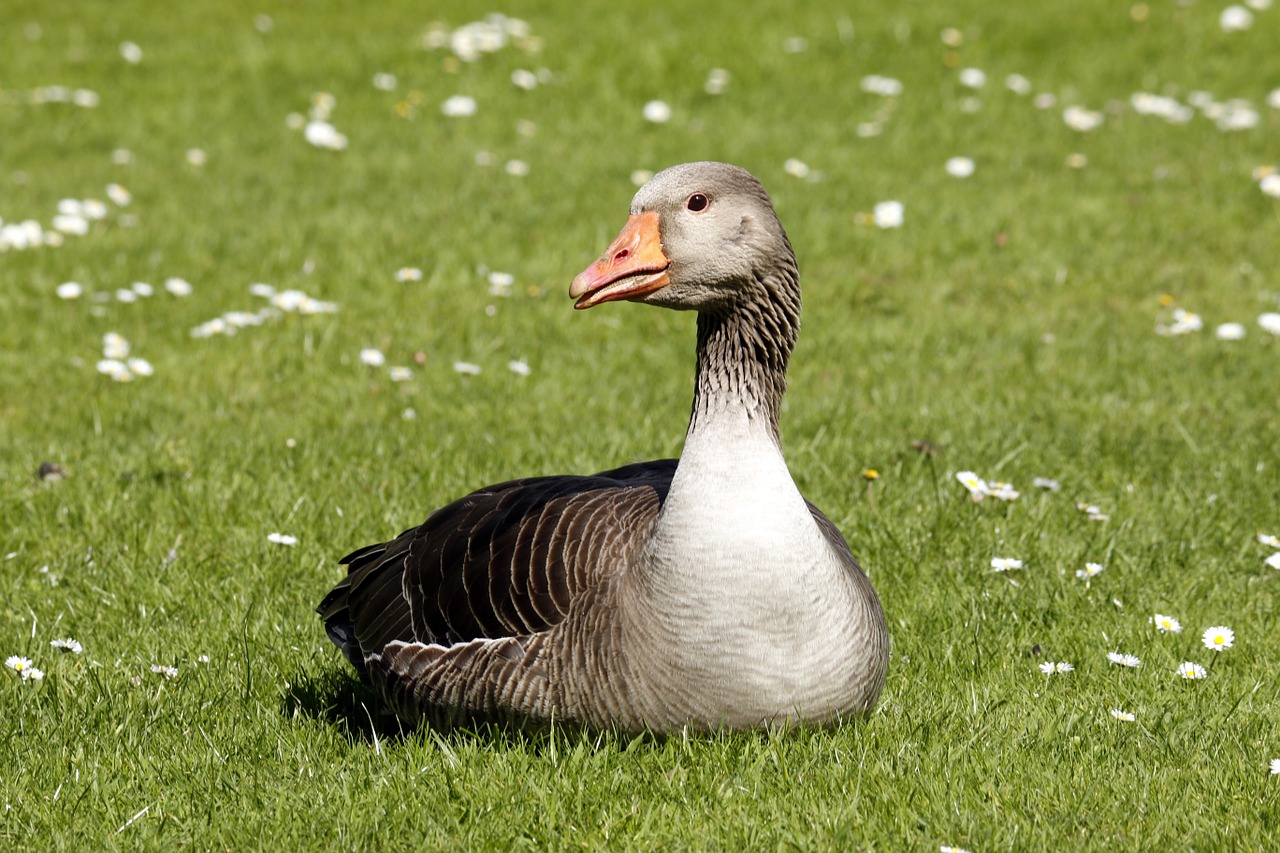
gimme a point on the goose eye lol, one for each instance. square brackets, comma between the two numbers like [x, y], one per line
[697, 202]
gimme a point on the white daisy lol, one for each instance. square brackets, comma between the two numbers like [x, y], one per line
[67, 645]
[1047, 667]
[976, 485]
[1275, 767]
[1192, 671]
[33, 674]
[1062, 666]
[1018, 84]
[69, 290]
[1273, 561]
[1218, 637]
[1122, 716]
[1046, 484]
[282, 539]
[131, 52]
[384, 82]
[960, 167]
[1166, 623]
[1271, 183]
[1119, 659]
[888, 214]
[658, 112]
[1003, 491]
[1235, 19]
[516, 168]
[717, 81]
[520, 367]
[177, 286]
[796, 168]
[408, 274]
[400, 374]
[1004, 564]
[466, 368]
[18, 663]
[886, 87]
[1081, 119]
[166, 671]
[1229, 332]
[321, 134]
[119, 195]
[523, 78]
[197, 156]
[974, 78]
[372, 357]
[1270, 322]
[1269, 539]
[1090, 570]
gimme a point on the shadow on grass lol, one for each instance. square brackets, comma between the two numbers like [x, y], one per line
[340, 699]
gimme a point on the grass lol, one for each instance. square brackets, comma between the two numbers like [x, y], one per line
[157, 540]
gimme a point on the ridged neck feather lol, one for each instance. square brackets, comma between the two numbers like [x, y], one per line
[743, 351]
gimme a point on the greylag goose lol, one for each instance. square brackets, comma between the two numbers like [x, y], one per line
[703, 592]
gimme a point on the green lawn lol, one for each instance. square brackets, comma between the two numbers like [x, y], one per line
[1010, 322]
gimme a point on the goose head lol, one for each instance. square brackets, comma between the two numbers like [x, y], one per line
[702, 237]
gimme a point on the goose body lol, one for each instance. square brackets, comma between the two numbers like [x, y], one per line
[702, 592]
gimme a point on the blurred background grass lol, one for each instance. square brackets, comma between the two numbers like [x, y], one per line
[1009, 322]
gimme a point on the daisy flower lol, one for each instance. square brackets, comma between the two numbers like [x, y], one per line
[1063, 666]
[1119, 659]
[1051, 668]
[1090, 570]
[1274, 560]
[948, 848]
[1275, 767]
[520, 367]
[1047, 667]
[1122, 716]
[401, 374]
[1218, 638]
[408, 274]
[466, 368]
[976, 485]
[282, 539]
[1166, 623]
[372, 357]
[166, 671]
[888, 214]
[72, 290]
[177, 286]
[33, 674]
[1003, 491]
[1269, 539]
[17, 663]
[1004, 564]
[1193, 671]
[1046, 484]
[657, 112]
[960, 167]
[67, 645]
[1230, 332]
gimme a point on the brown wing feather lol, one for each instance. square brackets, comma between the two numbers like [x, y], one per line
[503, 561]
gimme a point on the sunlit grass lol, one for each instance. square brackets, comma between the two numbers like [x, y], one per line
[1007, 328]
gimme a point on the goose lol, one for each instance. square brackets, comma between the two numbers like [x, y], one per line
[699, 593]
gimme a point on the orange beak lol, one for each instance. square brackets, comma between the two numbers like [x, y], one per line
[634, 265]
